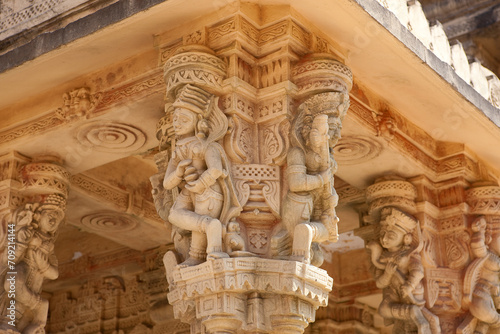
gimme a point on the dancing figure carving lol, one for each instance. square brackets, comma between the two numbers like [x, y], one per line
[35, 233]
[399, 272]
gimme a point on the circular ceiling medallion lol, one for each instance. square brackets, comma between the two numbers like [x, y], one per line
[352, 150]
[109, 221]
[110, 136]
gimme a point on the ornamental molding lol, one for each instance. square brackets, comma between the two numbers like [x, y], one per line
[89, 106]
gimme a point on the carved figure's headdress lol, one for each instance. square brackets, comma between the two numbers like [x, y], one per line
[330, 103]
[54, 202]
[194, 99]
[392, 217]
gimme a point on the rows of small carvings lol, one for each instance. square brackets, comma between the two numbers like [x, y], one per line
[139, 88]
[418, 136]
[484, 200]
[122, 199]
[10, 199]
[272, 108]
[362, 113]
[40, 125]
[237, 103]
[117, 301]
[259, 41]
[251, 266]
[405, 138]
[349, 194]
[444, 220]
[101, 190]
[456, 165]
[86, 266]
[243, 282]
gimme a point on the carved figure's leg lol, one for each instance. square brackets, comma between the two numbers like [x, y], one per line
[197, 250]
[483, 307]
[209, 205]
[39, 318]
[182, 215]
[481, 328]
[406, 312]
[214, 239]
[433, 321]
[304, 235]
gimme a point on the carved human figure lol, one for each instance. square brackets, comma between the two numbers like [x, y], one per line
[399, 272]
[199, 171]
[309, 206]
[36, 230]
[482, 279]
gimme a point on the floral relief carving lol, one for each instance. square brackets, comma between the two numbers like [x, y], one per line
[78, 103]
[238, 142]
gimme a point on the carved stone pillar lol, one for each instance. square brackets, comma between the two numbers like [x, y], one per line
[35, 194]
[246, 172]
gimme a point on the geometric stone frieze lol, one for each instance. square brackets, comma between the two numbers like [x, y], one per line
[241, 282]
[484, 200]
[40, 177]
[392, 192]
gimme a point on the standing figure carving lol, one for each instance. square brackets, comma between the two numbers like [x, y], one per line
[308, 210]
[399, 272]
[198, 173]
[482, 278]
[35, 232]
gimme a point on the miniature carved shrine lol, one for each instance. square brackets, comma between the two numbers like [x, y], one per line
[242, 167]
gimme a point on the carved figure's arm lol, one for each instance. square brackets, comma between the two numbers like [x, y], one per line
[415, 272]
[478, 245]
[298, 179]
[52, 272]
[213, 160]
[214, 170]
[383, 278]
[172, 179]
